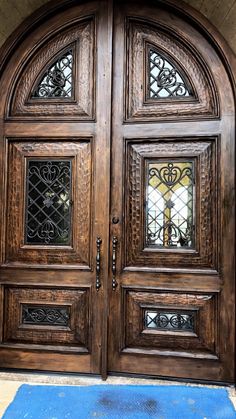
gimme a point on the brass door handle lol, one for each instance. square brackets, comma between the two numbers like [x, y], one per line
[114, 250]
[98, 263]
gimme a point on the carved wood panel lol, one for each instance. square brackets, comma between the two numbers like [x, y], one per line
[80, 40]
[19, 248]
[202, 102]
[204, 252]
[200, 338]
[41, 316]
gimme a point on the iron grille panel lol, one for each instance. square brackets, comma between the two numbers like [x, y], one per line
[166, 320]
[57, 82]
[40, 315]
[165, 80]
[48, 202]
[170, 204]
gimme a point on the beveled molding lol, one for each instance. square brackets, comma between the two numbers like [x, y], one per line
[204, 104]
[72, 336]
[78, 254]
[201, 342]
[205, 253]
[80, 38]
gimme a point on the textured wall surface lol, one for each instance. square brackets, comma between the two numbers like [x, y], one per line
[222, 13]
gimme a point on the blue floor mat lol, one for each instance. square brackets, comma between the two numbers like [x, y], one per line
[120, 402]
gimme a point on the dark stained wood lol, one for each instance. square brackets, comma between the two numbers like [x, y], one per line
[151, 277]
[204, 151]
[44, 275]
[72, 334]
[79, 37]
[111, 128]
[80, 153]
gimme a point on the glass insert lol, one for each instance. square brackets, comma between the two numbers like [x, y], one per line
[165, 80]
[170, 204]
[57, 80]
[48, 202]
[164, 320]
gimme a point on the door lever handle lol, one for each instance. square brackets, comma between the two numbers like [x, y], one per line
[114, 250]
[98, 263]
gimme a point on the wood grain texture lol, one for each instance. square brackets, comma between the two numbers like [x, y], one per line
[13, 14]
[132, 348]
[114, 343]
[80, 250]
[76, 334]
[203, 339]
[205, 253]
[89, 151]
[139, 107]
[81, 39]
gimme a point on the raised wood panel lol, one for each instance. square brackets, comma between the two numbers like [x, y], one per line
[202, 339]
[205, 251]
[79, 38]
[79, 251]
[51, 317]
[204, 102]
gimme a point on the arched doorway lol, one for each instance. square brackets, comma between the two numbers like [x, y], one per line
[117, 199]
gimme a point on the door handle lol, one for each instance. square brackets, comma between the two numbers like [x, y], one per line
[114, 250]
[98, 263]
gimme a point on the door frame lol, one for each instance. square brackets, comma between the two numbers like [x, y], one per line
[187, 12]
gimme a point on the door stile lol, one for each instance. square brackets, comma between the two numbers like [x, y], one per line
[114, 328]
[102, 170]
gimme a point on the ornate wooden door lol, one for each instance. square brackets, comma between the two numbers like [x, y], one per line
[172, 180]
[56, 157]
[117, 144]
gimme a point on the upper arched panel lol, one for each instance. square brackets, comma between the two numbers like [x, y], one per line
[166, 78]
[172, 70]
[57, 80]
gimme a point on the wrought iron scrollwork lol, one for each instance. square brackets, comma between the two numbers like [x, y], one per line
[48, 209]
[165, 80]
[56, 316]
[57, 81]
[164, 320]
[170, 204]
[171, 174]
[98, 263]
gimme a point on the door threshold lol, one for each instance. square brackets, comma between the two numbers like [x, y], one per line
[75, 379]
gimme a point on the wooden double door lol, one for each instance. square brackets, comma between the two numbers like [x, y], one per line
[117, 250]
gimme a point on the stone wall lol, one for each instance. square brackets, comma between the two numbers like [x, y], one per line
[222, 13]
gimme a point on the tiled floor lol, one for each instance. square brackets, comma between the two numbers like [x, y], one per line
[10, 382]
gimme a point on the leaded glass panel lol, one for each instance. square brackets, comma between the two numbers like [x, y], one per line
[48, 202]
[165, 80]
[170, 204]
[172, 321]
[57, 81]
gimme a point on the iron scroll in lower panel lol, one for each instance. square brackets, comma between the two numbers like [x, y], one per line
[169, 320]
[51, 318]
[45, 315]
